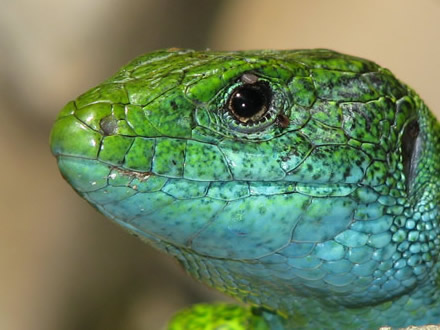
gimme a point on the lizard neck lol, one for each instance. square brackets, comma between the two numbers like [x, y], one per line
[290, 309]
[421, 307]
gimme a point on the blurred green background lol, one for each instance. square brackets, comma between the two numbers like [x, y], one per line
[62, 265]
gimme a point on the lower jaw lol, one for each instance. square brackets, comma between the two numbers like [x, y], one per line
[245, 248]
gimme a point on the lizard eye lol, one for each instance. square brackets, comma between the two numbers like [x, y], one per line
[249, 102]
[254, 106]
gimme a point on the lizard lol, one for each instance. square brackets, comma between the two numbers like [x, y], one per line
[303, 183]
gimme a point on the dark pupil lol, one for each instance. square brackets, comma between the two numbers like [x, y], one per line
[248, 100]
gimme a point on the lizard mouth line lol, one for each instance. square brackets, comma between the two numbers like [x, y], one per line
[145, 174]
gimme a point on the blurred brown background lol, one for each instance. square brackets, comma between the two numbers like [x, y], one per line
[62, 265]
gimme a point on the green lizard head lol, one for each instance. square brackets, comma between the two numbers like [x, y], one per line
[268, 174]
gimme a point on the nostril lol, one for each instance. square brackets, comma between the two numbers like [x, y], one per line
[109, 125]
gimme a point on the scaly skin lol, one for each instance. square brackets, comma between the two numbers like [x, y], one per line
[320, 211]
